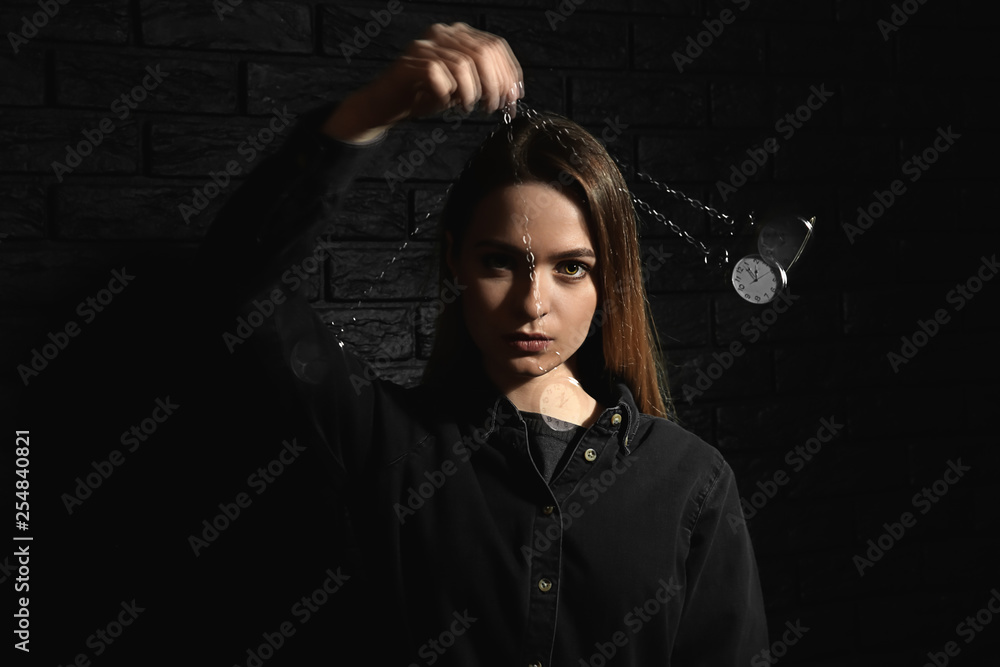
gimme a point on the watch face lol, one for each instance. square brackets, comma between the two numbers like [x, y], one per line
[558, 405]
[757, 281]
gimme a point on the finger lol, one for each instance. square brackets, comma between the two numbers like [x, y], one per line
[517, 90]
[450, 75]
[468, 90]
[433, 84]
[493, 75]
[506, 60]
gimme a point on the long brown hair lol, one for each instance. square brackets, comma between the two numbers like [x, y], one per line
[554, 150]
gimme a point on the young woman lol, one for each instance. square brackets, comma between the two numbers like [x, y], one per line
[529, 503]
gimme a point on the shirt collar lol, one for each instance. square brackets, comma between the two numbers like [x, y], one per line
[486, 409]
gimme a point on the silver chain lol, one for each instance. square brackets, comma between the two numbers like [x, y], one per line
[683, 197]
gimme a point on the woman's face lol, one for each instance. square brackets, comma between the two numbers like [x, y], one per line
[504, 301]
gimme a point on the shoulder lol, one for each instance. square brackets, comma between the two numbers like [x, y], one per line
[680, 459]
[668, 441]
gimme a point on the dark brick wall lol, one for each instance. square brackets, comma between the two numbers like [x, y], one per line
[892, 91]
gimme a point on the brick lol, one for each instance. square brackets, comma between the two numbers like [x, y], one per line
[664, 45]
[104, 21]
[533, 40]
[404, 374]
[898, 412]
[31, 143]
[378, 335]
[686, 217]
[783, 10]
[840, 364]
[684, 270]
[199, 148]
[809, 103]
[88, 79]
[927, 462]
[779, 423]
[426, 327]
[966, 157]
[126, 213]
[806, 316]
[866, 312]
[863, 157]
[679, 8]
[868, 14]
[428, 206]
[686, 156]
[740, 103]
[681, 320]
[647, 101]
[545, 92]
[955, 50]
[22, 78]
[695, 418]
[922, 208]
[23, 211]
[891, 105]
[747, 372]
[301, 87]
[400, 152]
[797, 51]
[284, 27]
[355, 272]
[368, 214]
[350, 33]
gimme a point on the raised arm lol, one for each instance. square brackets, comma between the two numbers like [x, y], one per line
[271, 222]
[269, 226]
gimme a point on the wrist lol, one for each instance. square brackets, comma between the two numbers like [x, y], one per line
[355, 121]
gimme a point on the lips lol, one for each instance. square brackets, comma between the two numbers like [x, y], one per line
[528, 342]
[523, 336]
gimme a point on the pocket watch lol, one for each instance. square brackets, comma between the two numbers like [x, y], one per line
[758, 278]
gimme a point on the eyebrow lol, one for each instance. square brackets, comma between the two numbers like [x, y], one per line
[571, 253]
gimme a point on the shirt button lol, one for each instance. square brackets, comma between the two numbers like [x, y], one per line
[544, 585]
[590, 455]
[616, 419]
[548, 509]
[535, 664]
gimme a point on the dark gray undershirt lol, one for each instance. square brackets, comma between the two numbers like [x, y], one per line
[550, 447]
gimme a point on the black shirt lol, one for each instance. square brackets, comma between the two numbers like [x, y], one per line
[549, 440]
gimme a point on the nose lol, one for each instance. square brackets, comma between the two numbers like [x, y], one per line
[532, 295]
